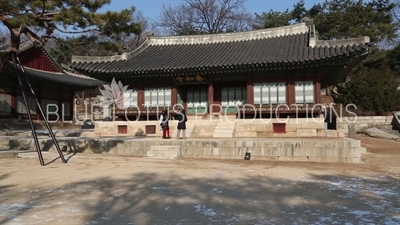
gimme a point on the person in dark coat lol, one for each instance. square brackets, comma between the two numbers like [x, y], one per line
[165, 124]
[182, 118]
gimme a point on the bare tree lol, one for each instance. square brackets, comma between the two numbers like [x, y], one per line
[206, 17]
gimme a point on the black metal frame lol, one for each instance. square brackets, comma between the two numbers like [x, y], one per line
[18, 65]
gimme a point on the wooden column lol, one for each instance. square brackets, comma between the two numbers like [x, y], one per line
[318, 89]
[184, 98]
[210, 96]
[174, 96]
[290, 93]
[140, 98]
[250, 92]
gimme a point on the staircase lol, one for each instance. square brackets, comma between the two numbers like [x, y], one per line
[164, 151]
[225, 130]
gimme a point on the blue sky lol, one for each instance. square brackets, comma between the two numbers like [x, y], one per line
[151, 8]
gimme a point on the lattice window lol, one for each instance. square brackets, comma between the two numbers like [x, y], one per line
[51, 105]
[233, 96]
[157, 97]
[21, 105]
[130, 99]
[5, 104]
[304, 92]
[270, 93]
[197, 100]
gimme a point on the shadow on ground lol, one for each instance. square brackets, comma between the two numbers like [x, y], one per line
[148, 198]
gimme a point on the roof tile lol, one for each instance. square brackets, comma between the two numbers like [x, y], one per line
[268, 49]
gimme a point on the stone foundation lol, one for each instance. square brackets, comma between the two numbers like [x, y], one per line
[208, 128]
[278, 149]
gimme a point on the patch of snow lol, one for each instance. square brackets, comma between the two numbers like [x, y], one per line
[203, 210]
[158, 188]
[13, 208]
[217, 191]
[73, 210]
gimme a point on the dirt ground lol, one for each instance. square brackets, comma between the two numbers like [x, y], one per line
[113, 190]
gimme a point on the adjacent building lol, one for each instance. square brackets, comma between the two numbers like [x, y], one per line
[54, 87]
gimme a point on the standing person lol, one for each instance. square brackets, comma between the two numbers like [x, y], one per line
[165, 124]
[182, 118]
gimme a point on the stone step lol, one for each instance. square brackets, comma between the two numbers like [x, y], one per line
[224, 133]
[164, 151]
[189, 133]
[224, 130]
[219, 135]
[225, 127]
[164, 147]
[205, 134]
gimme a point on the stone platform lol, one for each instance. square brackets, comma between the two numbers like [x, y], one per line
[277, 149]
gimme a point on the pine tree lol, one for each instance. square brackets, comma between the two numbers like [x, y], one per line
[372, 87]
[25, 17]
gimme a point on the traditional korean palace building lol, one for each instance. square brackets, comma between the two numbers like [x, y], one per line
[52, 85]
[255, 75]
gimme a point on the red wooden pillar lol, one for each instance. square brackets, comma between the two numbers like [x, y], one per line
[140, 98]
[184, 98]
[290, 93]
[318, 89]
[210, 97]
[250, 92]
[174, 96]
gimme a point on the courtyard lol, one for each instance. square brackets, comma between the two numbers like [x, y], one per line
[106, 189]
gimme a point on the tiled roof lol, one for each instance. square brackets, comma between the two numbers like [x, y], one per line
[63, 76]
[290, 44]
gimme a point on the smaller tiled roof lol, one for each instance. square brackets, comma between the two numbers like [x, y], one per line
[283, 45]
[63, 76]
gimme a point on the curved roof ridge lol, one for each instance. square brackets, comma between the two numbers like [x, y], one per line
[342, 42]
[200, 39]
[230, 37]
[123, 56]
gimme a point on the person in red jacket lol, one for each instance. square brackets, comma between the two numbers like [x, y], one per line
[164, 118]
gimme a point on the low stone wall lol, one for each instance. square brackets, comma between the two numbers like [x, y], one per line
[278, 149]
[14, 124]
[361, 122]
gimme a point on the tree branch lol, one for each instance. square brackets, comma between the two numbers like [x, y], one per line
[76, 32]
[44, 8]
